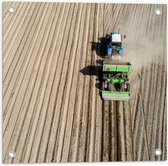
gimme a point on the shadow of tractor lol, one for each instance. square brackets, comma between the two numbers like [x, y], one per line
[100, 47]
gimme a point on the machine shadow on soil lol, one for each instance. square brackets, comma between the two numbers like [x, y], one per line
[100, 47]
[94, 71]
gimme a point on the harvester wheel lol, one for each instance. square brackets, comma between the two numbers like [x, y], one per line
[122, 87]
[109, 86]
[104, 77]
[102, 86]
[128, 87]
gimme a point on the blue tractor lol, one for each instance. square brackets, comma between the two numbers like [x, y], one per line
[114, 44]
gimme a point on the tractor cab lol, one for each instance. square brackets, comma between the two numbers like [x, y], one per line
[116, 38]
[114, 44]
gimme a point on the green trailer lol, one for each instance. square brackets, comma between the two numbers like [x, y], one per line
[115, 82]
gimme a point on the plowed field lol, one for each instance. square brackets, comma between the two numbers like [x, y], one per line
[52, 109]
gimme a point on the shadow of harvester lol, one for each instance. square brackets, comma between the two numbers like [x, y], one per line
[93, 71]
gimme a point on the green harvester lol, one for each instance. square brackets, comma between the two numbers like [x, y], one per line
[115, 82]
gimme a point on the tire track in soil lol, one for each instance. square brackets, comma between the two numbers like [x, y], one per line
[152, 108]
[144, 147]
[105, 131]
[128, 131]
[154, 120]
[156, 115]
[121, 149]
[164, 134]
[134, 80]
[142, 78]
[142, 137]
[139, 135]
[161, 122]
[162, 127]
[144, 92]
[160, 83]
[143, 120]
[113, 131]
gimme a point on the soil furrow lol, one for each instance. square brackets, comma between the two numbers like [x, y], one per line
[82, 147]
[50, 114]
[42, 112]
[8, 100]
[45, 78]
[52, 71]
[10, 26]
[73, 93]
[13, 35]
[79, 98]
[98, 127]
[20, 119]
[38, 64]
[14, 107]
[7, 16]
[121, 149]
[57, 108]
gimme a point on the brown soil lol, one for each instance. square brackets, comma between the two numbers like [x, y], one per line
[53, 111]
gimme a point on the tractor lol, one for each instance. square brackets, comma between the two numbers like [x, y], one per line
[114, 44]
[115, 82]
